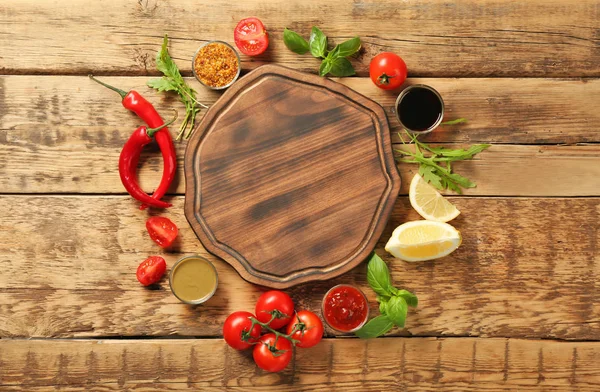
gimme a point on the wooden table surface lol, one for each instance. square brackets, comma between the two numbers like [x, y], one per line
[514, 308]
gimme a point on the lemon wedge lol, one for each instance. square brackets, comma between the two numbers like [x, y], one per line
[429, 203]
[423, 240]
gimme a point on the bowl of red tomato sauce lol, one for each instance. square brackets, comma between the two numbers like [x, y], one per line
[345, 308]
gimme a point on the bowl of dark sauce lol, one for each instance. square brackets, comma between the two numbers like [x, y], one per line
[419, 108]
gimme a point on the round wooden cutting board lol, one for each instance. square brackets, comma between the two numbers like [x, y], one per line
[290, 177]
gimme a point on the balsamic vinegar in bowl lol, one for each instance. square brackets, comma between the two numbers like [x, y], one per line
[419, 109]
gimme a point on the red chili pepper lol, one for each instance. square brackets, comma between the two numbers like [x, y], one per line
[128, 161]
[133, 101]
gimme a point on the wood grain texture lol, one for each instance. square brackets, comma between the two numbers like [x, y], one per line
[499, 110]
[435, 37]
[526, 268]
[64, 134]
[396, 364]
[275, 194]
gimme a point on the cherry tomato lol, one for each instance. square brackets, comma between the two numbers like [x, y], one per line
[277, 301]
[387, 70]
[162, 230]
[151, 270]
[310, 329]
[236, 326]
[263, 353]
[251, 37]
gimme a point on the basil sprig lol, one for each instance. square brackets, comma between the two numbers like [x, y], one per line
[334, 61]
[393, 303]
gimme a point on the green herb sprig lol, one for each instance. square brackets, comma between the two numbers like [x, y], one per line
[172, 81]
[393, 303]
[436, 166]
[334, 61]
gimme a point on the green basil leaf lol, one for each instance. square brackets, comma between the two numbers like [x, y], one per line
[382, 306]
[317, 42]
[378, 276]
[396, 310]
[334, 53]
[375, 327]
[340, 66]
[409, 297]
[325, 67]
[348, 48]
[382, 298]
[294, 41]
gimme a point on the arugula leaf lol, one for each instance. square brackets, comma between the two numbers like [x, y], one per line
[294, 41]
[162, 84]
[409, 297]
[375, 327]
[460, 153]
[453, 187]
[348, 48]
[460, 180]
[396, 310]
[172, 81]
[317, 42]
[340, 66]
[378, 276]
[429, 175]
[454, 122]
[431, 167]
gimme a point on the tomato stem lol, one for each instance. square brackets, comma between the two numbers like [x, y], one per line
[384, 79]
[277, 333]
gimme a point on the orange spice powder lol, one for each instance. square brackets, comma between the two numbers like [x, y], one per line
[216, 65]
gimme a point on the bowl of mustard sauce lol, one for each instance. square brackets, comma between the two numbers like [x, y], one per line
[193, 280]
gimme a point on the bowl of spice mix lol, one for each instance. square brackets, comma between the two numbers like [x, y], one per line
[216, 65]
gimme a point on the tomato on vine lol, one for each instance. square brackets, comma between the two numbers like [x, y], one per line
[274, 303]
[272, 354]
[308, 329]
[239, 331]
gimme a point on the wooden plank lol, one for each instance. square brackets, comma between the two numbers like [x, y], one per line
[476, 38]
[62, 141]
[499, 110]
[406, 364]
[528, 267]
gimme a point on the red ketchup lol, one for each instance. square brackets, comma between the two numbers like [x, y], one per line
[345, 308]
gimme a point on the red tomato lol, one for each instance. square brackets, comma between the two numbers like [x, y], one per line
[310, 329]
[387, 70]
[251, 37]
[151, 270]
[238, 325]
[162, 230]
[263, 353]
[278, 302]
